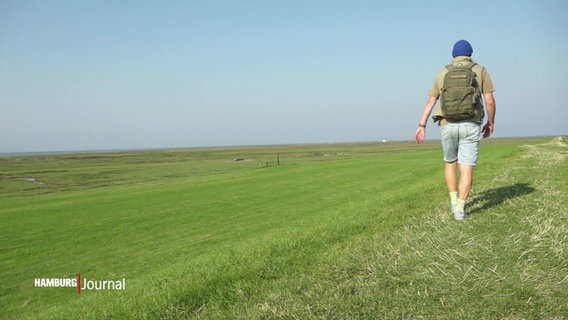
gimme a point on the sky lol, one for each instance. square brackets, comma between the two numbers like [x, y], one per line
[104, 75]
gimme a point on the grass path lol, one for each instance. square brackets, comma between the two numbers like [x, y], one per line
[509, 260]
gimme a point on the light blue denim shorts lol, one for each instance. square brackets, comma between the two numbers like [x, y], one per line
[460, 142]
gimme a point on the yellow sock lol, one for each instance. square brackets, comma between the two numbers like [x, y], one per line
[454, 197]
[460, 205]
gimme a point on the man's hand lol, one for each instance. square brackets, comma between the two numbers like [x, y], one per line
[488, 130]
[421, 131]
[420, 134]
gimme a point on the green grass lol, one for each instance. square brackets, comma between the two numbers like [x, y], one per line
[338, 231]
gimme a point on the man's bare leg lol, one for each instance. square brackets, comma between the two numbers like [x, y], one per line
[459, 191]
[466, 181]
[451, 176]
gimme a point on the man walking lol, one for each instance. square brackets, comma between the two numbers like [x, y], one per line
[462, 86]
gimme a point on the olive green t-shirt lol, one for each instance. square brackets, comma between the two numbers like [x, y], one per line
[484, 81]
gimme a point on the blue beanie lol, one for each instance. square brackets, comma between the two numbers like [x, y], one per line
[462, 48]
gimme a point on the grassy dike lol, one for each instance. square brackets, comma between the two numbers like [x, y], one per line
[353, 231]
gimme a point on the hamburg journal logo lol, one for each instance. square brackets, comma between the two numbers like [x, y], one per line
[81, 284]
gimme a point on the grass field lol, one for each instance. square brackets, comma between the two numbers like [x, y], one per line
[336, 231]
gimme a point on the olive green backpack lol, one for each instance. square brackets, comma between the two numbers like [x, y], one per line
[460, 93]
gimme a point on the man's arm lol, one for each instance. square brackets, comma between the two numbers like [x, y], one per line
[490, 106]
[421, 131]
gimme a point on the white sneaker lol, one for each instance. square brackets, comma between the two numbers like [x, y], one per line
[458, 215]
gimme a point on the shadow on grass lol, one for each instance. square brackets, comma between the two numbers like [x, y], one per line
[494, 197]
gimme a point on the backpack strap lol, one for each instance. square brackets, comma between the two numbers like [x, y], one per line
[469, 66]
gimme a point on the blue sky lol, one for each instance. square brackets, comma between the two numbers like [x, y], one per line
[92, 75]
